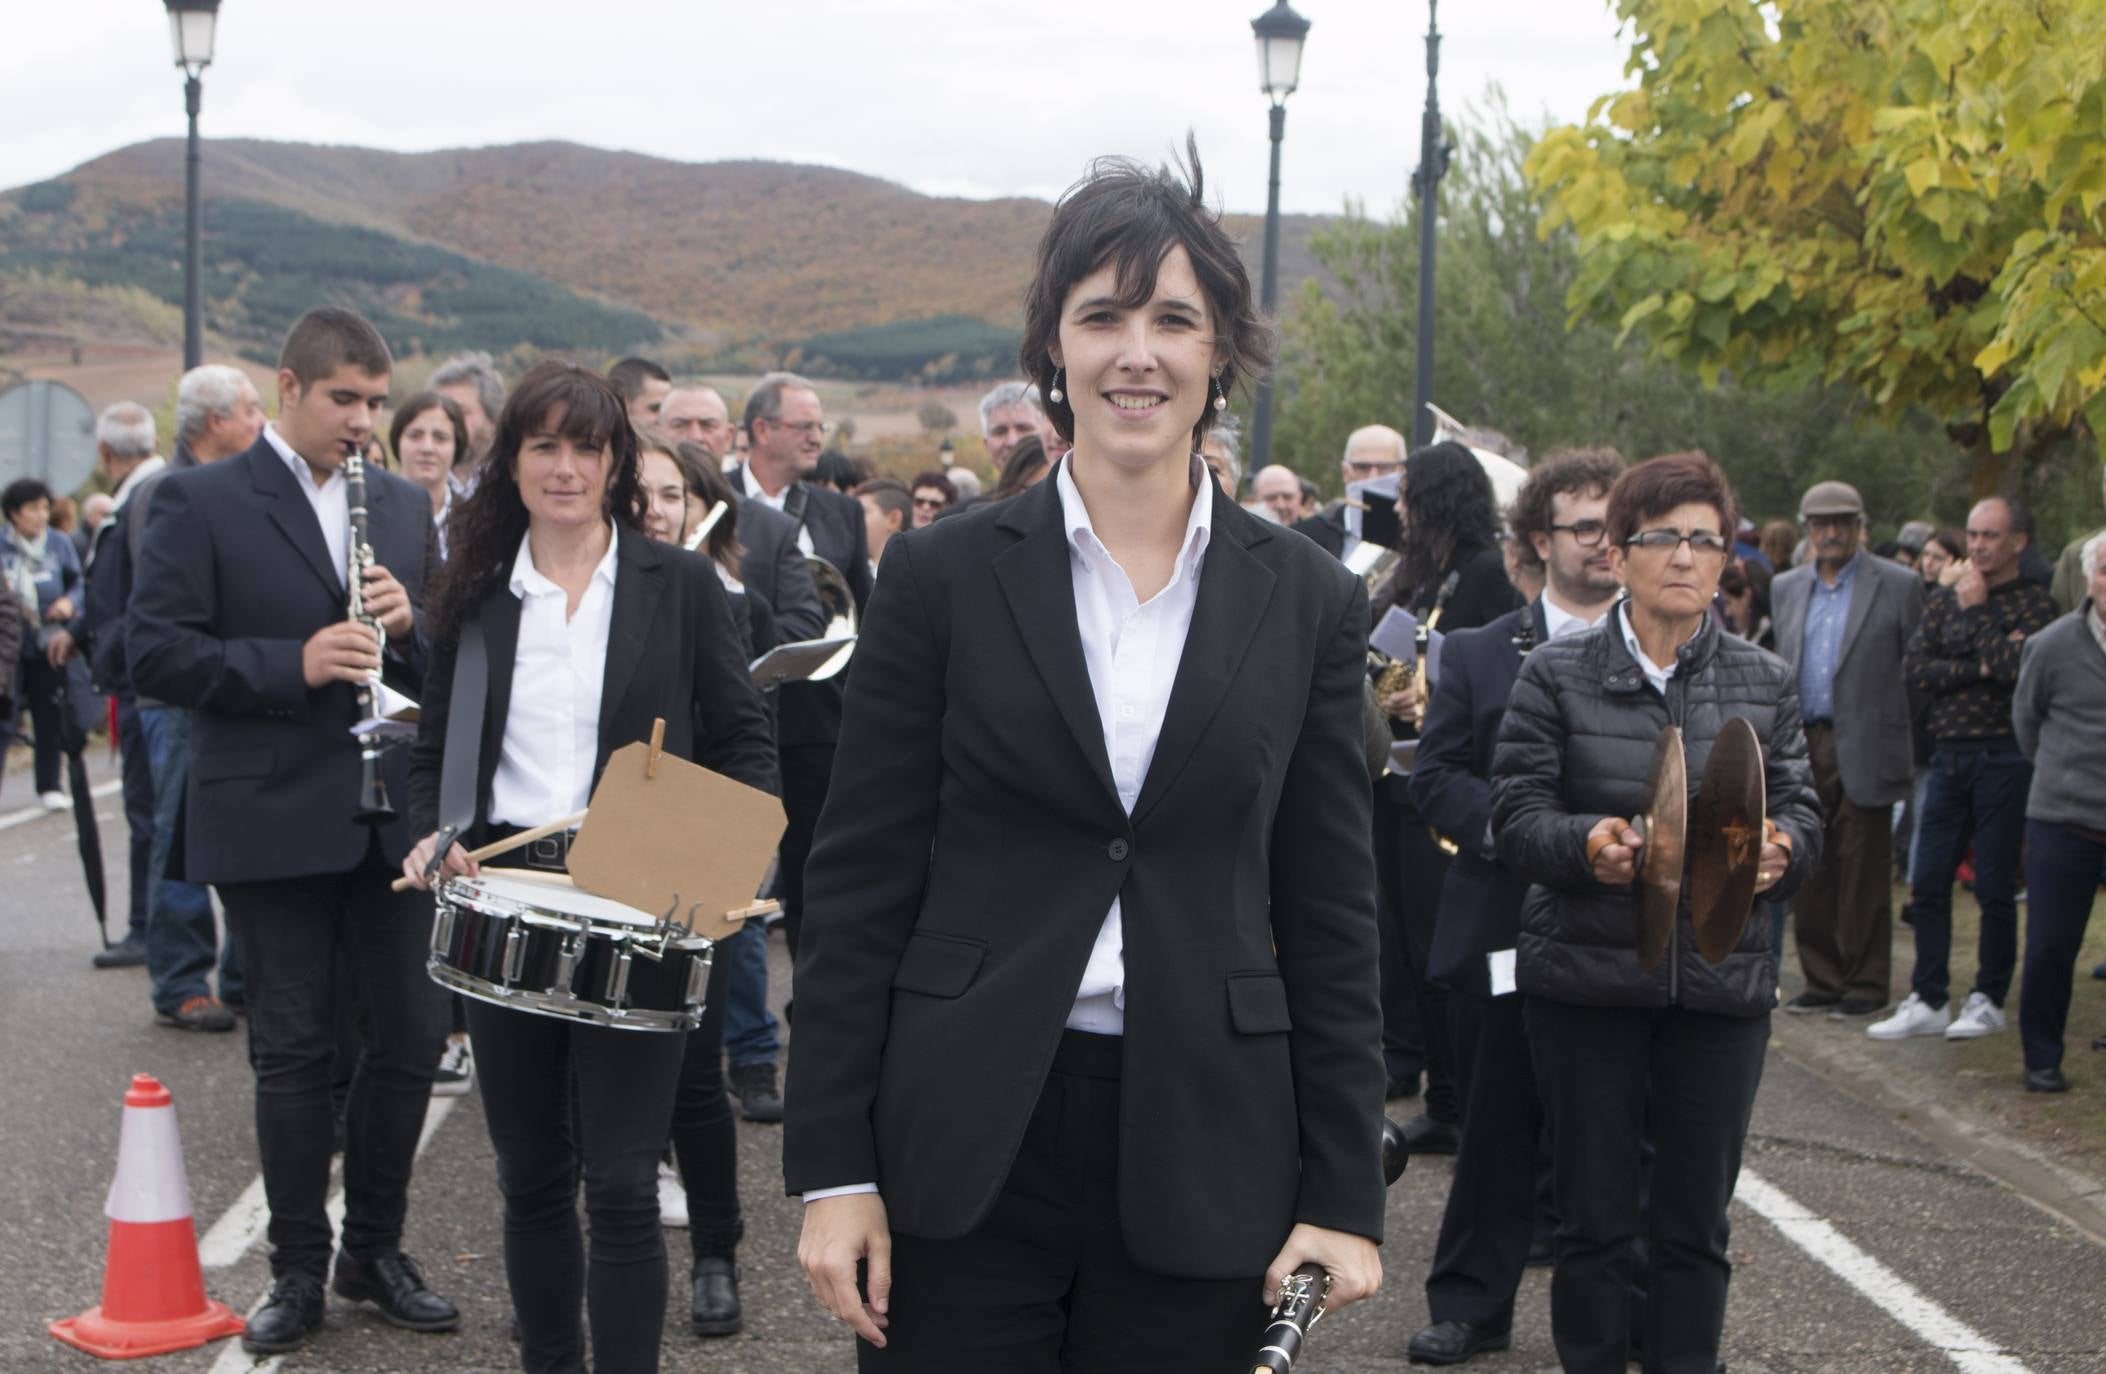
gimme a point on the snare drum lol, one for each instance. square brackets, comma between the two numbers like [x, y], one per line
[513, 940]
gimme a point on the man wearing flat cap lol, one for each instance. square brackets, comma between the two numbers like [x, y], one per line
[1843, 622]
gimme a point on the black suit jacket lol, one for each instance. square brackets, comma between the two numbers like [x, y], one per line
[973, 841]
[811, 712]
[1480, 901]
[1327, 528]
[773, 567]
[234, 577]
[672, 654]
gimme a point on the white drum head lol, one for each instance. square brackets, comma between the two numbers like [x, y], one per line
[548, 893]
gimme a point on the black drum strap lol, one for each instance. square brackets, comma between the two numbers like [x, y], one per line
[464, 737]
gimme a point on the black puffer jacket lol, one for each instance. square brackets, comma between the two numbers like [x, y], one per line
[1576, 745]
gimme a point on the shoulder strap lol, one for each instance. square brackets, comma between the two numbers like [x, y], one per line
[464, 732]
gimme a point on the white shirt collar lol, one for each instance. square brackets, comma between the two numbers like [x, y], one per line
[133, 478]
[1075, 516]
[1653, 671]
[528, 581]
[759, 493]
[1559, 621]
[302, 473]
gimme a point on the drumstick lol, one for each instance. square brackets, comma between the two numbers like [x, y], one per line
[522, 839]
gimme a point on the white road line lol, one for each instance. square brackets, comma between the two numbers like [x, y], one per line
[242, 1225]
[37, 813]
[1968, 1349]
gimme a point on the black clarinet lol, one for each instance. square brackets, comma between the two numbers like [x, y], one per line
[1301, 1300]
[374, 808]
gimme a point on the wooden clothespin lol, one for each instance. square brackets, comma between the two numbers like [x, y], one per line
[657, 747]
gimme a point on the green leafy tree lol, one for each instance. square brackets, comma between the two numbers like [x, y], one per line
[1900, 196]
[1506, 360]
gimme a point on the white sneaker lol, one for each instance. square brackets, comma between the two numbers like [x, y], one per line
[55, 801]
[1913, 1017]
[456, 1073]
[1978, 1018]
[672, 1198]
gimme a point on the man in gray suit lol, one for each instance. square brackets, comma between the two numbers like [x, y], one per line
[1844, 621]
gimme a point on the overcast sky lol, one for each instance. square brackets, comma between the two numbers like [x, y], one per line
[950, 97]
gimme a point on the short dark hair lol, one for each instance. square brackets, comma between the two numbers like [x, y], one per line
[934, 478]
[837, 470]
[631, 373]
[1123, 213]
[1560, 472]
[1952, 541]
[417, 405]
[1656, 486]
[329, 337]
[892, 496]
[23, 491]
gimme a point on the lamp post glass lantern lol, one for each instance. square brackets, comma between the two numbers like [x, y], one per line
[1280, 33]
[191, 28]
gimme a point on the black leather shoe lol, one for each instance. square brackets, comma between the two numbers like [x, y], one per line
[130, 952]
[1426, 1136]
[393, 1283]
[1406, 1085]
[759, 1098]
[291, 1314]
[1857, 1008]
[1808, 1003]
[716, 1307]
[2046, 1081]
[1456, 1342]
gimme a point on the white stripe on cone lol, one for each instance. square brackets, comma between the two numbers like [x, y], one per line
[150, 1185]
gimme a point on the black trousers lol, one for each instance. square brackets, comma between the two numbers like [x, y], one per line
[2063, 869]
[1612, 1077]
[1403, 1044]
[1499, 1195]
[625, 1081]
[295, 935]
[705, 1139]
[1421, 869]
[807, 771]
[1044, 1284]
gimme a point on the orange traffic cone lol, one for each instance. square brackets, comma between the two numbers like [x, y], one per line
[153, 1294]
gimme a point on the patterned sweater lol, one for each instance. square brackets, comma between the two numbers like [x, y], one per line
[1966, 661]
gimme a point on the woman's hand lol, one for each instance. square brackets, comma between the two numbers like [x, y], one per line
[1352, 1262]
[1612, 848]
[458, 864]
[61, 609]
[839, 1231]
[1776, 857]
[1402, 705]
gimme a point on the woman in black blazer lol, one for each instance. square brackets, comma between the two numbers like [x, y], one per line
[594, 631]
[1087, 1037]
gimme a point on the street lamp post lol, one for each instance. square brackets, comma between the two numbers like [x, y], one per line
[1426, 181]
[1280, 33]
[190, 27]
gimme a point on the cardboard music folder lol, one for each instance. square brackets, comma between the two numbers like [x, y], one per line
[667, 836]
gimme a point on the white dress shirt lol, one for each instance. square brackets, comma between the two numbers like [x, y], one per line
[1132, 651]
[331, 509]
[552, 728]
[755, 492]
[1654, 673]
[1561, 622]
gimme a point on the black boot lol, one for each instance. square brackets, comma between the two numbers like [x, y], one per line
[393, 1283]
[716, 1306]
[1453, 1342]
[292, 1313]
[754, 1086]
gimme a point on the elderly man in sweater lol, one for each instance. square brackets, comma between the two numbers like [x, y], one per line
[2059, 713]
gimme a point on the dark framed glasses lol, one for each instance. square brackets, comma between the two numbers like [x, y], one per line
[1702, 543]
[1587, 533]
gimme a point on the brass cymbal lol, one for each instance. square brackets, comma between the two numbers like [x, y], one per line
[1725, 840]
[1660, 860]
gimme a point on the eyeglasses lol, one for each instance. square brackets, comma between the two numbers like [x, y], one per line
[1587, 533]
[806, 427]
[1702, 543]
[932, 502]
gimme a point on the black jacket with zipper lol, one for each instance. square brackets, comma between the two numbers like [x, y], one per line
[1576, 745]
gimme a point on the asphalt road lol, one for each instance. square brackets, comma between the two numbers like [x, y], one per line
[1959, 1256]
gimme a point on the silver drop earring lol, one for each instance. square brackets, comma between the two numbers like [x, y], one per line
[1220, 397]
[1055, 395]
